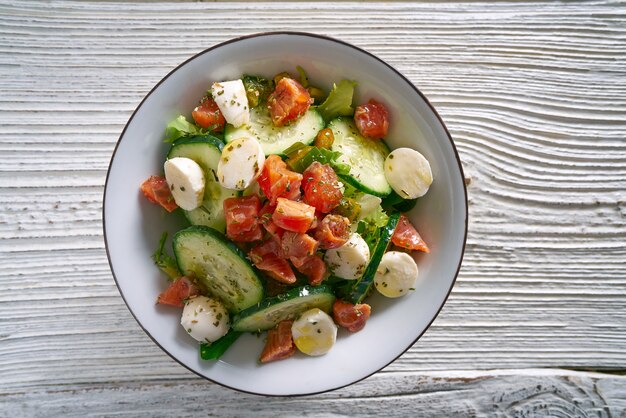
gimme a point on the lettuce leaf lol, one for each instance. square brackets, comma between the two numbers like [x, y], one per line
[165, 262]
[322, 155]
[371, 226]
[339, 101]
[179, 128]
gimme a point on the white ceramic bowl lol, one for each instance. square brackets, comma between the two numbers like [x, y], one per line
[132, 226]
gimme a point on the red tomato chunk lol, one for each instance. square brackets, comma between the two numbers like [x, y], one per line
[208, 116]
[293, 216]
[288, 102]
[242, 218]
[156, 190]
[265, 257]
[406, 236]
[279, 343]
[333, 231]
[372, 119]
[179, 290]
[276, 180]
[321, 187]
[352, 317]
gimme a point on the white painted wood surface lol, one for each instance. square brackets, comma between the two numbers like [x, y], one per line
[534, 95]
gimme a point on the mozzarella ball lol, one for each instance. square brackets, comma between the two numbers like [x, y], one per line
[231, 98]
[205, 319]
[350, 260]
[240, 164]
[186, 181]
[314, 332]
[408, 173]
[396, 274]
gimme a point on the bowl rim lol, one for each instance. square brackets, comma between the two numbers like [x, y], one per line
[260, 35]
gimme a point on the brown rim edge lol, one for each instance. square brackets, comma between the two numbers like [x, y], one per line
[311, 35]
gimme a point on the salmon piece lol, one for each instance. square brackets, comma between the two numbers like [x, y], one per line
[179, 290]
[333, 231]
[288, 101]
[156, 190]
[407, 237]
[313, 267]
[242, 218]
[276, 180]
[265, 218]
[321, 186]
[265, 257]
[279, 343]
[208, 115]
[352, 317]
[297, 245]
[293, 216]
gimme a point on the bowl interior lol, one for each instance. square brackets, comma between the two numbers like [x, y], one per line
[133, 226]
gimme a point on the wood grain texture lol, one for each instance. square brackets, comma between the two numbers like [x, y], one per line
[499, 393]
[534, 95]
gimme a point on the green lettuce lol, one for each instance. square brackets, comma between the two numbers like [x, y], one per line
[179, 128]
[339, 101]
[371, 226]
[321, 155]
[165, 262]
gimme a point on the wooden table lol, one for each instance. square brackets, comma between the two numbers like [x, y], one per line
[534, 95]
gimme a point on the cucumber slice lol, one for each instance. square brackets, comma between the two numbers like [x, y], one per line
[216, 349]
[365, 157]
[290, 305]
[218, 266]
[206, 151]
[276, 139]
[363, 286]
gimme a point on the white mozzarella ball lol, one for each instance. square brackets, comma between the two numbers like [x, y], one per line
[240, 164]
[408, 173]
[185, 179]
[314, 333]
[205, 319]
[230, 97]
[350, 260]
[396, 274]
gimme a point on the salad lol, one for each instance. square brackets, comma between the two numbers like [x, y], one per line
[295, 207]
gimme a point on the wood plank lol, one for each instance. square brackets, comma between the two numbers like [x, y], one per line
[533, 93]
[458, 394]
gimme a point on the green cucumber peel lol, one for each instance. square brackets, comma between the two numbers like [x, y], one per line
[362, 288]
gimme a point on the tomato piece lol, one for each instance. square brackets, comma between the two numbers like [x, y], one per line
[333, 231]
[321, 187]
[179, 290]
[352, 317]
[297, 245]
[293, 216]
[242, 218]
[288, 101]
[406, 236]
[276, 180]
[156, 190]
[208, 116]
[265, 258]
[279, 343]
[372, 119]
[313, 267]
